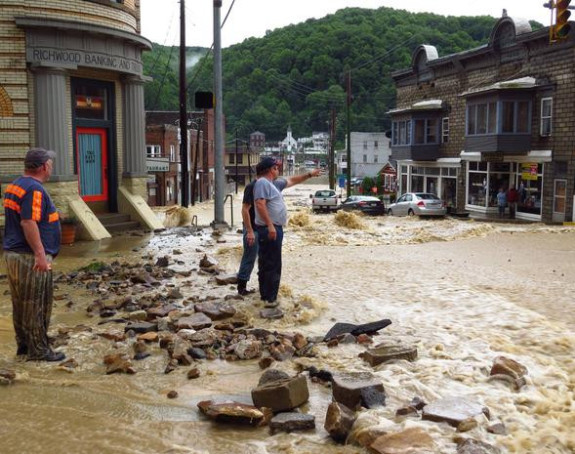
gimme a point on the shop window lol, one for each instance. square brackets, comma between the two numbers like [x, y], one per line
[546, 116]
[530, 188]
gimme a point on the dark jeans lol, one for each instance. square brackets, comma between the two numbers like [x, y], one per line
[248, 257]
[269, 263]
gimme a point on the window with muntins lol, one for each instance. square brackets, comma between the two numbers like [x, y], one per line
[445, 130]
[425, 131]
[154, 151]
[546, 116]
[401, 132]
[481, 118]
[502, 117]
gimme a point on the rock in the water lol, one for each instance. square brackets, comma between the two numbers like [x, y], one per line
[196, 321]
[282, 395]
[216, 311]
[366, 328]
[7, 377]
[118, 363]
[471, 446]
[227, 279]
[234, 412]
[193, 373]
[272, 375]
[292, 421]
[338, 421]
[453, 410]
[272, 314]
[357, 389]
[383, 353]
[508, 366]
[248, 349]
[141, 327]
[414, 440]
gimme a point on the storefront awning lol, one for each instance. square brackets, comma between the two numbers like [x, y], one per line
[531, 156]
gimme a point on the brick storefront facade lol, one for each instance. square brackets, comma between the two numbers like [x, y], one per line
[497, 116]
[71, 80]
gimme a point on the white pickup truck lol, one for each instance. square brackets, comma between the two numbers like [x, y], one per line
[324, 200]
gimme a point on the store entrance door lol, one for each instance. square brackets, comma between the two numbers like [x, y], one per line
[92, 160]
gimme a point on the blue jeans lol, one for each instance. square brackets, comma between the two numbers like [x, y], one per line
[248, 258]
[269, 263]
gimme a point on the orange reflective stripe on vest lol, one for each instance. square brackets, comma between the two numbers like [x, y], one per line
[37, 206]
[53, 217]
[12, 205]
[16, 190]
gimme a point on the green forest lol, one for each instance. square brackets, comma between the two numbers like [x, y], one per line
[297, 74]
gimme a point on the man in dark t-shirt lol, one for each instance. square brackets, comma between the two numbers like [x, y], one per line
[31, 241]
[250, 241]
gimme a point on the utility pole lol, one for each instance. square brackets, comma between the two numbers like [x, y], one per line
[196, 157]
[218, 121]
[183, 113]
[348, 133]
[332, 166]
[236, 160]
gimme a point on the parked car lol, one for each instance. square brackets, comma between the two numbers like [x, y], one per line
[324, 200]
[364, 203]
[417, 204]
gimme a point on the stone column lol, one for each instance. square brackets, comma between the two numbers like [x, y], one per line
[51, 102]
[134, 128]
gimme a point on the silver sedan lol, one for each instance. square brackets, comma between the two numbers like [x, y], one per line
[417, 204]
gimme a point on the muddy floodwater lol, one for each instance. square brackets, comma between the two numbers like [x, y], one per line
[463, 292]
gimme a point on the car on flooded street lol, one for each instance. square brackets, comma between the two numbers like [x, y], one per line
[417, 204]
[364, 203]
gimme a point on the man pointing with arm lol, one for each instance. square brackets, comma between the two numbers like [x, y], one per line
[271, 216]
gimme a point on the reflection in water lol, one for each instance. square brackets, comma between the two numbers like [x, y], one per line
[462, 292]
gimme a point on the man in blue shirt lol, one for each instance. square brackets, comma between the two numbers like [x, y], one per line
[31, 241]
[271, 216]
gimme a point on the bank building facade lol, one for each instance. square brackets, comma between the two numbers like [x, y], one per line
[71, 80]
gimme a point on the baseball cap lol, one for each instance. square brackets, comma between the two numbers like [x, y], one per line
[266, 163]
[38, 156]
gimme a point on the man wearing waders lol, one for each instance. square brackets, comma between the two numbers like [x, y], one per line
[31, 241]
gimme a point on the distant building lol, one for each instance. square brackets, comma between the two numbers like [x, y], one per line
[257, 141]
[370, 151]
[289, 143]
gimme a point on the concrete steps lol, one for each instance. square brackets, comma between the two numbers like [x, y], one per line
[118, 223]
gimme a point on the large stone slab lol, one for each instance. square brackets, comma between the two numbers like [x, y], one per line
[282, 395]
[507, 366]
[216, 310]
[367, 328]
[383, 353]
[357, 389]
[471, 446]
[453, 410]
[234, 412]
[196, 321]
[409, 441]
[292, 421]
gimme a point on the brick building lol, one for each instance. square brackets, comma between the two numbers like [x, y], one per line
[497, 116]
[71, 80]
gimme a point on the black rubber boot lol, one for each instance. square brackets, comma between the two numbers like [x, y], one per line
[242, 290]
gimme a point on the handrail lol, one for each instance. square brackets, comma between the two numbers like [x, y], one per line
[231, 197]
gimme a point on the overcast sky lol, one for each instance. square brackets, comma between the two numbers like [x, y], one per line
[160, 18]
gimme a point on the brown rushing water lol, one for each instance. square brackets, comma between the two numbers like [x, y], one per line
[463, 292]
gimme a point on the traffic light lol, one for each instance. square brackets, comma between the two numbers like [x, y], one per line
[562, 13]
[205, 99]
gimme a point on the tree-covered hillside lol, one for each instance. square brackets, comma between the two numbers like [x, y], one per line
[296, 74]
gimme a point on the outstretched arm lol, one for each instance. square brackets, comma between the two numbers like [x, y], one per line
[297, 179]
